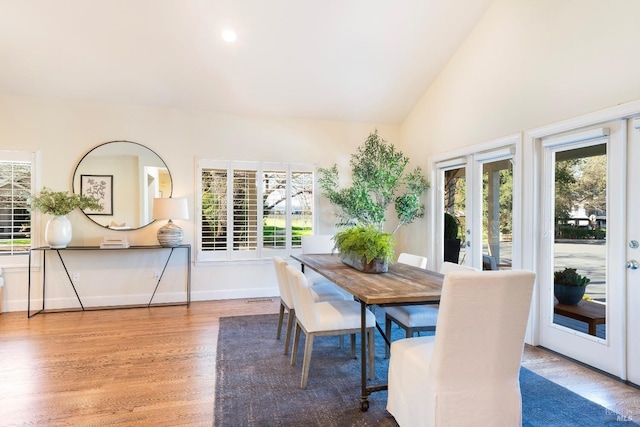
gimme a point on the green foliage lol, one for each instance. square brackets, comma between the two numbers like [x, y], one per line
[591, 188]
[451, 226]
[379, 180]
[366, 241]
[565, 182]
[61, 203]
[569, 277]
[581, 181]
[505, 197]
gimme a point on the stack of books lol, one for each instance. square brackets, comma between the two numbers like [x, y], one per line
[114, 243]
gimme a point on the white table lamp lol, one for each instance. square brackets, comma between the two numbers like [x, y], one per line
[170, 235]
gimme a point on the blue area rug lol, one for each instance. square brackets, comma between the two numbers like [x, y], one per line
[545, 403]
[256, 386]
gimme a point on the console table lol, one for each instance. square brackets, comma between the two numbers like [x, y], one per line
[59, 252]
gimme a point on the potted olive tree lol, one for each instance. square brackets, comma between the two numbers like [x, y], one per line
[379, 180]
[569, 286]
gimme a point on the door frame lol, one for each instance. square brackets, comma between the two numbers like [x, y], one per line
[605, 354]
[633, 253]
[533, 224]
[436, 251]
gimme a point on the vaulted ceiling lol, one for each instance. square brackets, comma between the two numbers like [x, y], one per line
[349, 60]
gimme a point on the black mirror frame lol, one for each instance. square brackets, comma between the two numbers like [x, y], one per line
[77, 190]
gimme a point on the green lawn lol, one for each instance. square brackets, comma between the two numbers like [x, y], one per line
[274, 232]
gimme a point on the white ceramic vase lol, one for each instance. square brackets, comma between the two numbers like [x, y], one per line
[58, 232]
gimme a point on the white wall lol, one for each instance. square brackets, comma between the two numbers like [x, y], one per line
[63, 131]
[526, 64]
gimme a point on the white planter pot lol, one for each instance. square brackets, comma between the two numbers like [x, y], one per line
[58, 232]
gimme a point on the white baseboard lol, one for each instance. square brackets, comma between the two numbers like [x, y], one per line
[235, 294]
[115, 300]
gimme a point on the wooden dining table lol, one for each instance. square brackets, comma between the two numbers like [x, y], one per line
[401, 285]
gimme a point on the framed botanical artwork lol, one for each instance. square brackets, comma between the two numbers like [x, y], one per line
[100, 187]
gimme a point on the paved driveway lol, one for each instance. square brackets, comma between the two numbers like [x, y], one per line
[589, 258]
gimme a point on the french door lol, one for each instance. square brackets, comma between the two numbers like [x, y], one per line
[477, 189]
[583, 226]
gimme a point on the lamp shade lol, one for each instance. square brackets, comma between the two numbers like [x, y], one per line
[171, 208]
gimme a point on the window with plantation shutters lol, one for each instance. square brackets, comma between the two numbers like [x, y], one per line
[15, 217]
[253, 210]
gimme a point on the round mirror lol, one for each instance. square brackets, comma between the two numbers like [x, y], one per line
[125, 177]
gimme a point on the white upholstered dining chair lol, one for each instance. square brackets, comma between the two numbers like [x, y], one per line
[417, 318]
[321, 292]
[317, 244]
[339, 317]
[414, 260]
[320, 244]
[468, 373]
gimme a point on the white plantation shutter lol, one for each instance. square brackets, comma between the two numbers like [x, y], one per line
[302, 201]
[213, 213]
[275, 209]
[244, 200]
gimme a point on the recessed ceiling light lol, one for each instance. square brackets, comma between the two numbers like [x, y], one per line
[229, 36]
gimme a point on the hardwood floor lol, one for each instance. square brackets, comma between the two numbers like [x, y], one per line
[157, 367]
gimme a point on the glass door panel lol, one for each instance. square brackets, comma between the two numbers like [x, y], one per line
[497, 215]
[580, 228]
[455, 182]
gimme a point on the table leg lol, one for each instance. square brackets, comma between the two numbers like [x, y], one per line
[188, 276]
[160, 278]
[70, 279]
[29, 287]
[364, 397]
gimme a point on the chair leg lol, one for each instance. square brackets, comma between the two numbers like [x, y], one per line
[372, 354]
[306, 361]
[290, 322]
[341, 340]
[280, 317]
[296, 339]
[387, 332]
[353, 346]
